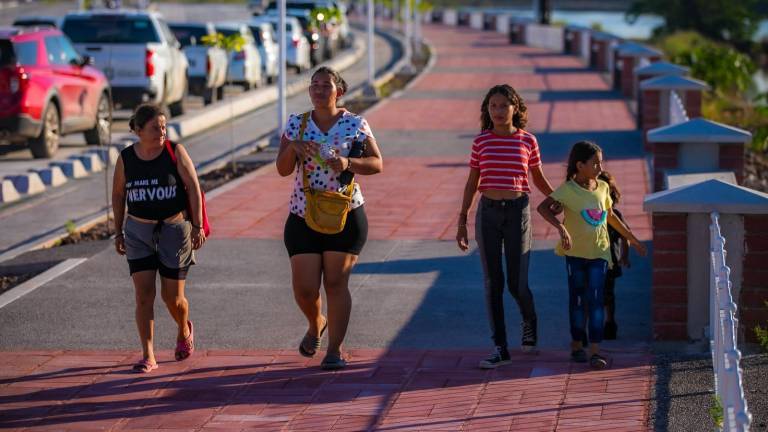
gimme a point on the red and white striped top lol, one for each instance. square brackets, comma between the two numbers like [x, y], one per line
[504, 161]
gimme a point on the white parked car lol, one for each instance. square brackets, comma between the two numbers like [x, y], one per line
[136, 51]
[207, 71]
[297, 46]
[266, 42]
[244, 65]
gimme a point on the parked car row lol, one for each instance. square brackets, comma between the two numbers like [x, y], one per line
[66, 75]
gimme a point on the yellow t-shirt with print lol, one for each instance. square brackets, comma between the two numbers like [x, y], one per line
[586, 219]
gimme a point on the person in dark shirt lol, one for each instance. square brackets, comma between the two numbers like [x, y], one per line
[163, 227]
[620, 258]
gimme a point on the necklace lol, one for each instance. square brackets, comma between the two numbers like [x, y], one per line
[586, 185]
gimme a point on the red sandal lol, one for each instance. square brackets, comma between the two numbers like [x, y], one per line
[185, 348]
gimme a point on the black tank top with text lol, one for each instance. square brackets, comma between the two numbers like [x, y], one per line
[153, 189]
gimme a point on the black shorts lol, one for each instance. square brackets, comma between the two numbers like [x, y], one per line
[301, 239]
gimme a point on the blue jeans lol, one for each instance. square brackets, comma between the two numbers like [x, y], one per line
[586, 282]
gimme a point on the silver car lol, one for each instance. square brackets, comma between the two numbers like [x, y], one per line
[266, 42]
[297, 46]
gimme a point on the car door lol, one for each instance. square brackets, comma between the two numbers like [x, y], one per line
[90, 79]
[67, 82]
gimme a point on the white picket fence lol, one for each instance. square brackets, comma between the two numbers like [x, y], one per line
[722, 333]
[677, 113]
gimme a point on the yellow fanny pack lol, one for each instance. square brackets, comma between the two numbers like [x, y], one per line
[326, 211]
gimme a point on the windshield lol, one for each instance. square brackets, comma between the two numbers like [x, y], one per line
[189, 35]
[116, 29]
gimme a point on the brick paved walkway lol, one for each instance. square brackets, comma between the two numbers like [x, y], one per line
[280, 390]
[425, 135]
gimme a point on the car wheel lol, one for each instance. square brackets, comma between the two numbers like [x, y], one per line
[176, 108]
[208, 95]
[99, 135]
[46, 144]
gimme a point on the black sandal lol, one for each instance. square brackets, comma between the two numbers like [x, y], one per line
[310, 344]
[598, 362]
[579, 356]
[333, 362]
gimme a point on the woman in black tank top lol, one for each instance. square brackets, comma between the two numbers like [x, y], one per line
[163, 227]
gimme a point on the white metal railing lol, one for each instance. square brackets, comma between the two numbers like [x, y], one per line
[544, 36]
[722, 336]
[677, 113]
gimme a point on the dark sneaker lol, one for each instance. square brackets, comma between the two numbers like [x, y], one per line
[610, 330]
[579, 356]
[598, 362]
[529, 336]
[499, 356]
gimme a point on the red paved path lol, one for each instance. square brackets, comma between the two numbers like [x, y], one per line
[274, 390]
[401, 390]
[258, 208]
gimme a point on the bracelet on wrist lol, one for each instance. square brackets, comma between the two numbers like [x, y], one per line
[195, 226]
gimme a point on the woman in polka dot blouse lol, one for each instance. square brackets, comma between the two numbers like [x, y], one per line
[323, 151]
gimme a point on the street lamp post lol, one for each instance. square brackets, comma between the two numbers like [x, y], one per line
[281, 110]
[408, 68]
[370, 89]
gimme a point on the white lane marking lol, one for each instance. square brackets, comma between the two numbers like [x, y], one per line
[27, 287]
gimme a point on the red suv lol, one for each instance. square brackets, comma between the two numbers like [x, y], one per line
[47, 90]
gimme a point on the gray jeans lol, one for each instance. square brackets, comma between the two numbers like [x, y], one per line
[503, 228]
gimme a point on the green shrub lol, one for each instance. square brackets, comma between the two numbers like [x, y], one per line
[762, 335]
[724, 68]
[716, 411]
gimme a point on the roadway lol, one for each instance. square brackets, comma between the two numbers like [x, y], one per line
[28, 221]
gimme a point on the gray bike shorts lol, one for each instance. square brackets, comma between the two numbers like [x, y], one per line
[165, 247]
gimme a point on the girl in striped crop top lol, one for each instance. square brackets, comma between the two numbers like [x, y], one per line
[503, 155]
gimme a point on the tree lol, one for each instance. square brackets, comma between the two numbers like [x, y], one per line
[730, 21]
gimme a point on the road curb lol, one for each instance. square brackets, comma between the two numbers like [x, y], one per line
[120, 141]
[27, 287]
[193, 123]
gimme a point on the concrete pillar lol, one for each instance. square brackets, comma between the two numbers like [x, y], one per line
[629, 56]
[462, 17]
[654, 101]
[681, 257]
[754, 284]
[602, 51]
[696, 146]
[476, 20]
[669, 295]
[665, 158]
[502, 23]
[450, 17]
[517, 32]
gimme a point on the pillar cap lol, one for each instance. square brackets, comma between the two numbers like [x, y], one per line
[674, 178]
[661, 68]
[577, 27]
[634, 49]
[673, 82]
[706, 197]
[603, 36]
[699, 130]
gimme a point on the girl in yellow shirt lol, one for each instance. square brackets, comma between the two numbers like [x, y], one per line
[584, 242]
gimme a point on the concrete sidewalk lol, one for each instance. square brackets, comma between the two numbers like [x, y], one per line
[418, 327]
